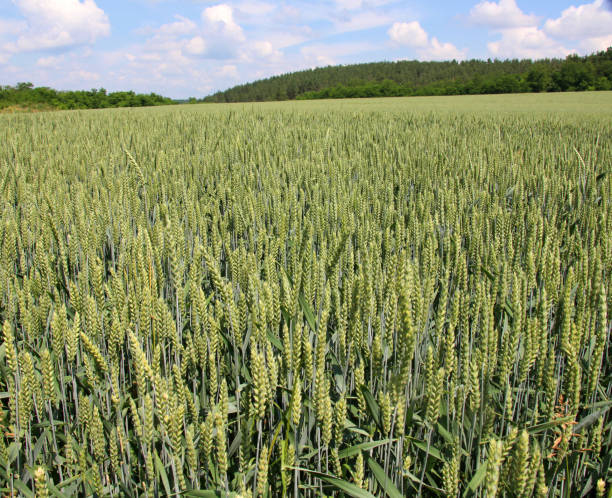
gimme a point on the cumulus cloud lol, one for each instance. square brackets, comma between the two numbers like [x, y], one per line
[413, 35]
[520, 36]
[528, 42]
[595, 44]
[500, 15]
[590, 24]
[216, 35]
[409, 33]
[442, 51]
[58, 24]
[195, 46]
[265, 49]
[249, 37]
[211, 50]
[220, 20]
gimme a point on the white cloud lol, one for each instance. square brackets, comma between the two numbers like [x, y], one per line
[320, 60]
[413, 35]
[595, 44]
[520, 36]
[262, 51]
[264, 48]
[58, 23]
[11, 27]
[8, 29]
[409, 33]
[252, 11]
[585, 21]
[50, 61]
[220, 19]
[504, 14]
[183, 26]
[229, 70]
[354, 15]
[527, 42]
[219, 13]
[438, 51]
[206, 53]
[175, 44]
[195, 46]
[590, 24]
[323, 54]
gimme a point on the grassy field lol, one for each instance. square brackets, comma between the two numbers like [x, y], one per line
[382, 297]
[544, 104]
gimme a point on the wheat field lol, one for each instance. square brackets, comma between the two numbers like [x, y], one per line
[380, 298]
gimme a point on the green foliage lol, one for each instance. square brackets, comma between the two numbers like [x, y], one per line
[25, 95]
[414, 78]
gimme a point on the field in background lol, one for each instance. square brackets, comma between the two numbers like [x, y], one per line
[582, 103]
[369, 297]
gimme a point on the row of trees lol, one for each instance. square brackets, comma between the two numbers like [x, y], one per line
[26, 95]
[379, 79]
[592, 72]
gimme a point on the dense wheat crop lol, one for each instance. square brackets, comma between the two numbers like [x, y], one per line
[282, 301]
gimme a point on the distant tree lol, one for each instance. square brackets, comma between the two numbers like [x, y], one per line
[427, 78]
[575, 74]
[538, 78]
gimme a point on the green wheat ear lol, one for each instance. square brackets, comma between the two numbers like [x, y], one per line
[306, 299]
[494, 462]
[40, 479]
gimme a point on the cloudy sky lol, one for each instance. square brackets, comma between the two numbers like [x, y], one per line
[194, 47]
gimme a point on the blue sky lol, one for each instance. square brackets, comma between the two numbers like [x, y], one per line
[195, 47]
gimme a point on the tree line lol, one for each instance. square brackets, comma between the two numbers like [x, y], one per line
[377, 79]
[405, 78]
[28, 96]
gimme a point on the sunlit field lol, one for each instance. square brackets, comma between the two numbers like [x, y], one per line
[377, 297]
[550, 104]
